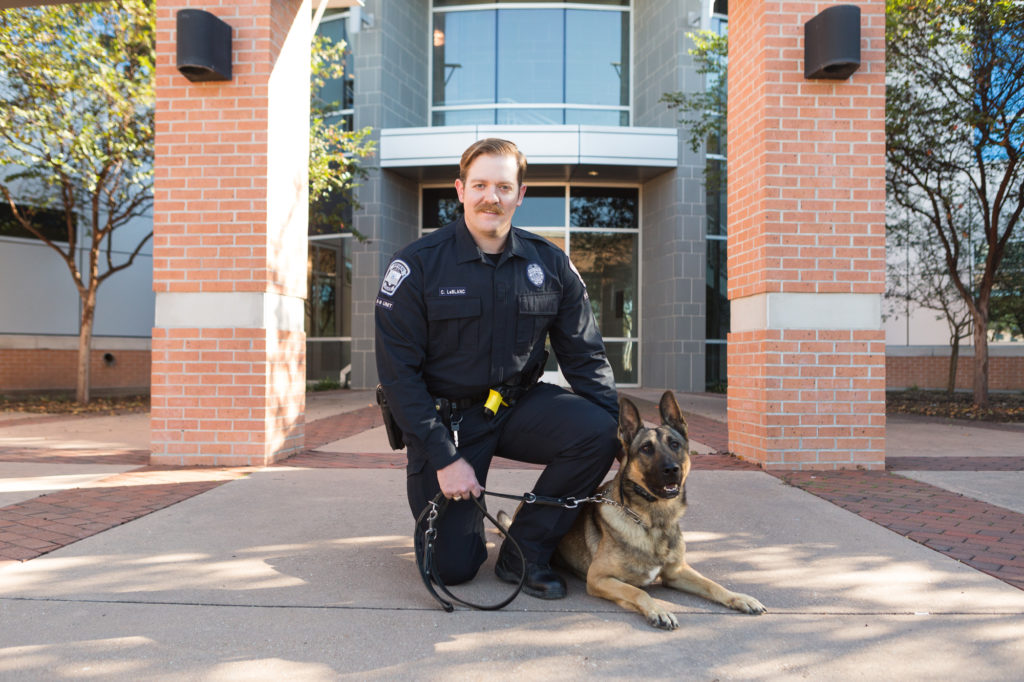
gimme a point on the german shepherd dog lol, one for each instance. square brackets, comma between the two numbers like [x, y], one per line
[616, 551]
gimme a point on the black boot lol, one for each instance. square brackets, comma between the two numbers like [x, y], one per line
[541, 580]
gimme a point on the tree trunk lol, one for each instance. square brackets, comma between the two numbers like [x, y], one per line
[82, 387]
[954, 363]
[981, 359]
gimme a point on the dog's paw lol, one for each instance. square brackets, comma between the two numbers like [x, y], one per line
[662, 619]
[746, 604]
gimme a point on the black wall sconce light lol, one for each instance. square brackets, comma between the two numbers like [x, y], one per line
[832, 43]
[204, 46]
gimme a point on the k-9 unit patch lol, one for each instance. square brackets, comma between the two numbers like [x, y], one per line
[397, 272]
[535, 273]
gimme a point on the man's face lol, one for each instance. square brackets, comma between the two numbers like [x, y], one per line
[490, 195]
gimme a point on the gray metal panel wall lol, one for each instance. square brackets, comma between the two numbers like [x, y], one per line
[674, 212]
[390, 92]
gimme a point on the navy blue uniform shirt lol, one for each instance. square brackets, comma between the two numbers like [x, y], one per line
[450, 323]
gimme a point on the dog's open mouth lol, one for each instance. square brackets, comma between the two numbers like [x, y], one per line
[669, 491]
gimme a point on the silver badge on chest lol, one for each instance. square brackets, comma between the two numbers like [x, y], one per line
[535, 273]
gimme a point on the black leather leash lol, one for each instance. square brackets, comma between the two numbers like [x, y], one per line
[427, 563]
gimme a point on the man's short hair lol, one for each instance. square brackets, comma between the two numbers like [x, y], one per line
[495, 147]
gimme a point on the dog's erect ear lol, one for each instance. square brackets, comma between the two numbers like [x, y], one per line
[671, 414]
[629, 421]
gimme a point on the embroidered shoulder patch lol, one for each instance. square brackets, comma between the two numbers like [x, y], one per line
[393, 278]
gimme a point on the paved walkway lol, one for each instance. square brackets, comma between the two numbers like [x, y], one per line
[946, 537]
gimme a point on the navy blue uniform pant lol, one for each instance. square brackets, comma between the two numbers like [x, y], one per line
[576, 441]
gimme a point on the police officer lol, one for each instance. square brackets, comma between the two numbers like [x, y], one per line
[465, 310]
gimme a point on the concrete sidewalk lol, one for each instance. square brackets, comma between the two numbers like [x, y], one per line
[305, 571]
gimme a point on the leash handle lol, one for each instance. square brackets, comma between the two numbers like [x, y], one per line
[428, 566]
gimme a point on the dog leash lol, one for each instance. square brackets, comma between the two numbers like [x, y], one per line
[426, 561]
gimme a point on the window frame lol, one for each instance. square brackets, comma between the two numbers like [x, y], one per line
[497, 107]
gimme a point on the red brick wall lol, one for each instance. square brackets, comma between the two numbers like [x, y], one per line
[229, 217]
[34, 369]
[1005, 373]
[806, 216]
[808, 399]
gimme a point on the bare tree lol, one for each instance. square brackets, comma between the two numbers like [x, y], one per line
[955, 135]
[76, 136]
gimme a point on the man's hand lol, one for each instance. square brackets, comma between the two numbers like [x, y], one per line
[458, 481]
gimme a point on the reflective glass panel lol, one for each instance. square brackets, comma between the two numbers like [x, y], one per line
[440, 207]
[50, 222]
[607, 261]
[622, 356]
[464, 117]
[715, 185]
[464, 57]
[556, 237]
[596, 57]
[717, 299]
[604, 207]
[530, 116]
[329, 298]
[542, 207]
[530, 55]
[338, 91]
[596, 117]
[715, 376]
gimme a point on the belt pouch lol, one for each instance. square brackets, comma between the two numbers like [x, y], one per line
[395, 439]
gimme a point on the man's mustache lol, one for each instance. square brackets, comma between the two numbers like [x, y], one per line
[496, 208]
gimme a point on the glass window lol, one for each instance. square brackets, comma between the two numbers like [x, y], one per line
[717, 300]
[464, 57]
[716, 297]
[50, 222]
[440, 207]
[607, 261]
[464, 117]
[329, 295]
[542, 207]
[604, 207]
[534, 56]
[530, 116]
[338, 90]
[531, 52]
[597, 61]
[596, 117]
[714, 183]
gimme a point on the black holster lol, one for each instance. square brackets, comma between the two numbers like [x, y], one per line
[395, 439]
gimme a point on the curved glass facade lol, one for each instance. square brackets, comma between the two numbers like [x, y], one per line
[530, 63]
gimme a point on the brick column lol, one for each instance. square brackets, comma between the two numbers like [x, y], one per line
[806, 245]
[229, 244]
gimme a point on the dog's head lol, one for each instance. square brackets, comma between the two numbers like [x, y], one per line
[658, 459]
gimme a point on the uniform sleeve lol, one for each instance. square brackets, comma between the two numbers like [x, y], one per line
[579, 347]
[400, 349]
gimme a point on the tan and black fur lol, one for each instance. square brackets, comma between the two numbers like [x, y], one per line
[615, 554]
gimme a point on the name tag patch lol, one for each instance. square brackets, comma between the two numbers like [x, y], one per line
[452, 291]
